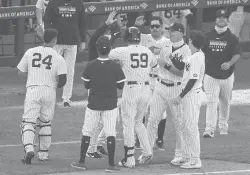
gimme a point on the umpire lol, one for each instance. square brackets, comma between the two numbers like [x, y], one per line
[102, 77]
[222, 51]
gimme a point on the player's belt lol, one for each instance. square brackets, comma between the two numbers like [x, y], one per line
[168, 84]
[136, 82]
[153, 75]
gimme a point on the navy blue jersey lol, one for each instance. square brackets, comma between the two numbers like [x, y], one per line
[68, 18]
[103, 76]
[220, 48]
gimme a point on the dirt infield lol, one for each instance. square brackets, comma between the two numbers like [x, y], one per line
[220, 155]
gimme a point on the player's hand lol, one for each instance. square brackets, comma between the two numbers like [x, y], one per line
[82, 46]
[225, 66]
[40, 31]
[176, 101]
[157, 51]
[111, 18]
[161, 62]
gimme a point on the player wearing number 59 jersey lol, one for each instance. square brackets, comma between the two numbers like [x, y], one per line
[136, 61]
[43, 66]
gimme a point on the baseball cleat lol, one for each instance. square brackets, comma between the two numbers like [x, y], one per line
[102, 151]
[177, 161]
[125, 163]
[94, 155]
[145, 159]
[28, 157]
[159, 144]
[208, 134]
[66, 104]
[223, 132]
[78, 165]
[112, 169]
[191, 165]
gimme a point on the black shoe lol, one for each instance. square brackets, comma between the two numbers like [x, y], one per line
[102, 151]
[28, 157]
[66, 104]
[94, 155]
[160, 145]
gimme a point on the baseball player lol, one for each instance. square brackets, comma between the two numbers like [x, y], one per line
[155, 41]
[40, 11]
[169, 17]
[68, 17]
[236, 20]
[222, 51]
[168, 86]
[245, 34]
[191, 98]
[102, 77]
[136, 61]
[107, 29]
[43, 66]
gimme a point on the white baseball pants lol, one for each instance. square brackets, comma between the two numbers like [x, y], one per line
[39, 108]
[93, 118]
[191, 137]
[218, 90]
[161, 100]
[69, 53]
[133, 108]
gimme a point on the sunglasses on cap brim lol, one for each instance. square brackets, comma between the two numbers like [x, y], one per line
[155, 26]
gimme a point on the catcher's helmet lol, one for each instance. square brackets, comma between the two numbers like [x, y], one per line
[132, 34]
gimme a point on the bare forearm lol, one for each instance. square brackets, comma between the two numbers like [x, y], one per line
[39, 15]
[234, 60]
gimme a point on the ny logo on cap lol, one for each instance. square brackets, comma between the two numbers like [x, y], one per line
[223, 12]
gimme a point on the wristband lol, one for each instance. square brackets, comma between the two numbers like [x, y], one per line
[167, 66]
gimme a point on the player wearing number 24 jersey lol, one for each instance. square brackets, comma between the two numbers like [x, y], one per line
[43, 66]
[136, 61]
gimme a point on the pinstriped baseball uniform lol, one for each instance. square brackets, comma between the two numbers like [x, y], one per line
[136, 61]
[236, 20]
[163, 94]
[171, 16]
[148, 41]
[194, 69]
[43, 65]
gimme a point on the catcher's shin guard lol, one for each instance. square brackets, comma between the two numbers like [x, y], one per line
[28, 136]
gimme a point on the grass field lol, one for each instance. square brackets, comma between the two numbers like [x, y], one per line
[67, 125]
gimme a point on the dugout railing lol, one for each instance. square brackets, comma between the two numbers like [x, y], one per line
[20, 13]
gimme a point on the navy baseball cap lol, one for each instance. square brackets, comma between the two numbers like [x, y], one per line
[103, 45]
[222, 13]
[177, 27]
[49, 35]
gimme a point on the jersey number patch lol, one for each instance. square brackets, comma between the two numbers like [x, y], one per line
[38, 60]
[139, 60]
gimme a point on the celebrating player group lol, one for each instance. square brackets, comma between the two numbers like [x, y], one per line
[159, 73]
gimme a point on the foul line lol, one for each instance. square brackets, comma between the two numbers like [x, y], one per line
[53, 143]
[214, 172]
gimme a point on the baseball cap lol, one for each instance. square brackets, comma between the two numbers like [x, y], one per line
[49, 34]
[177, 27]
[222, 13]
[103, 45]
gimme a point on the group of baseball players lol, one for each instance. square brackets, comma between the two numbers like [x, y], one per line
[158, 75]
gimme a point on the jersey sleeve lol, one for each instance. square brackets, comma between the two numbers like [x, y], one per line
[194, 67]
[115, 54]
[23, 64]
[62, 67]
[40, 4]
[86, 74]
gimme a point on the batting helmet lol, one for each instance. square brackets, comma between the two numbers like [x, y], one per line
[132, 34]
